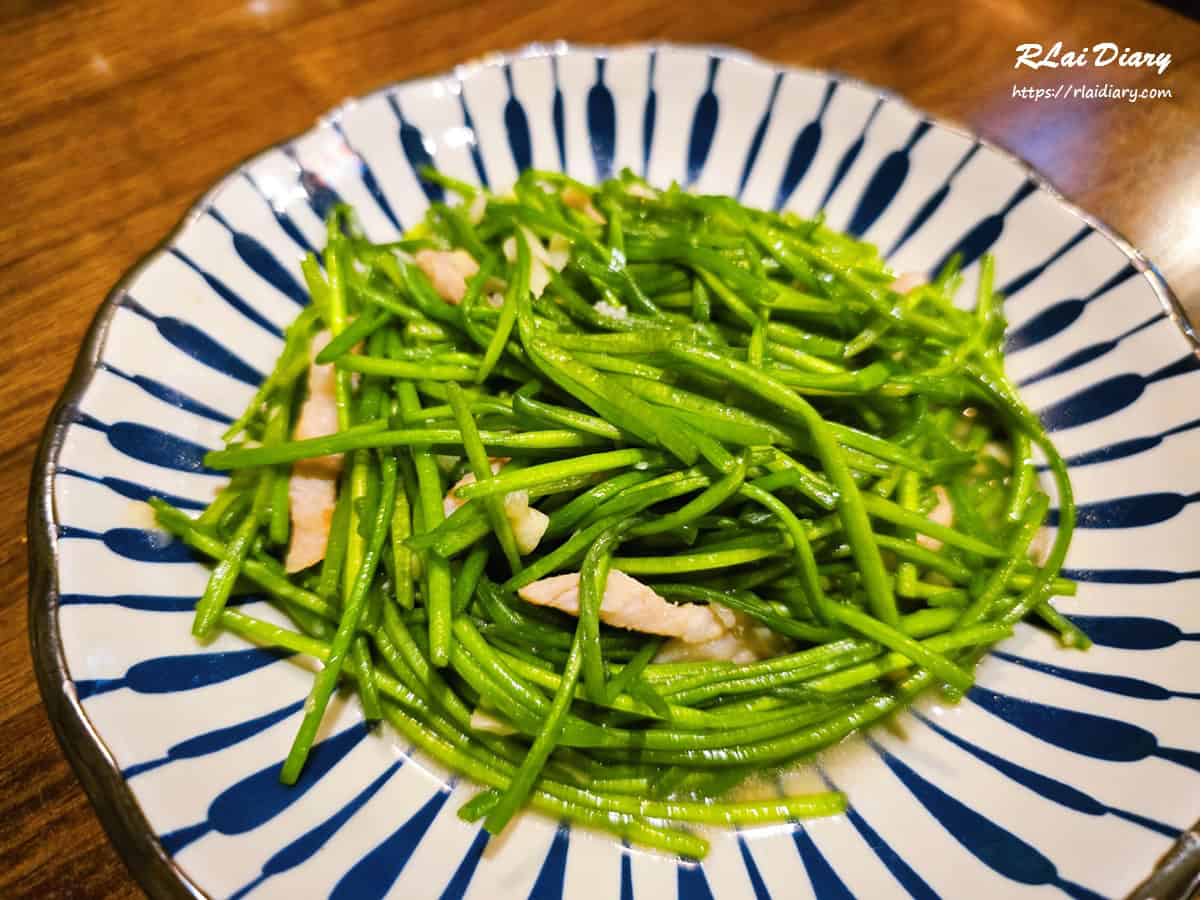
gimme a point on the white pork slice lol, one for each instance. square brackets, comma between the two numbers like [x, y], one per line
[906, 282]
[943, 513]
[744, 639]
[611, 310]
[528, 524]
[452, 502]
[313, 488]
[576, 199]
[543, 257]
[448, 271]
[628, 603]
[697, 631]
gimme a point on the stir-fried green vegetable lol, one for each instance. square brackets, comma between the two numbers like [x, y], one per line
[737, 406]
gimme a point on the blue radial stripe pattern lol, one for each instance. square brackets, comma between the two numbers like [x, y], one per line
[1001, 796]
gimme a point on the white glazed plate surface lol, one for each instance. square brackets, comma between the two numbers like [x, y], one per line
[1061, 773]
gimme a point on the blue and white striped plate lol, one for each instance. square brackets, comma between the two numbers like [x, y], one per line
[1062, 773]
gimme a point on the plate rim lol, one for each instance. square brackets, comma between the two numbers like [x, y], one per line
[108, 792]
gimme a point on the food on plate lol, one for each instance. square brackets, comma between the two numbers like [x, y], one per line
[612, 498]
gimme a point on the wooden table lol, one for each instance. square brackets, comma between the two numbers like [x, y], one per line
[116, 116]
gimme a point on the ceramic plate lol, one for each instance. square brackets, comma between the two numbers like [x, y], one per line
[1062, 772]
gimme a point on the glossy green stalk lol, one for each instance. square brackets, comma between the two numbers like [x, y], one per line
[481, 468]
[352, 610]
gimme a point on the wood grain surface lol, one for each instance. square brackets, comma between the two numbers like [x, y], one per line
[116, 115]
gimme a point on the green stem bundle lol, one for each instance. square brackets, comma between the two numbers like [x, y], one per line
[729, 403]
